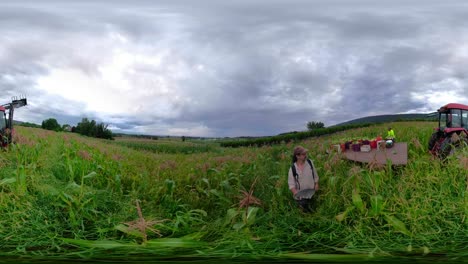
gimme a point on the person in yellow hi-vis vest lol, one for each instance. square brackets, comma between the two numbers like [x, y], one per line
[391, 134]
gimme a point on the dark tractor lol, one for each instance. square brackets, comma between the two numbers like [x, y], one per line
[452, 131]
[6, 124]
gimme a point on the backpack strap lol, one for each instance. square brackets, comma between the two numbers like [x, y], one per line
[296, 175]
[312, 167]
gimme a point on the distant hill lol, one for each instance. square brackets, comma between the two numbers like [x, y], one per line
[362, 120]
[380, 119]
[25, 124]
[389, 118]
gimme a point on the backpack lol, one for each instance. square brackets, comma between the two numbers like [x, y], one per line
[296, 175]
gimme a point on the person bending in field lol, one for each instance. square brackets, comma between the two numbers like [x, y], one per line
[391, 134]
[303, 179]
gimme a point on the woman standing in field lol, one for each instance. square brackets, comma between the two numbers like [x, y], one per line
[303, 179]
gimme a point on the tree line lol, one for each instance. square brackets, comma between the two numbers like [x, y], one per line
[290, 137]
[86, 127]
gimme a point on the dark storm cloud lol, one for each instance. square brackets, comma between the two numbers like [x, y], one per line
[242, 122]
[231, 68]
[364, 26]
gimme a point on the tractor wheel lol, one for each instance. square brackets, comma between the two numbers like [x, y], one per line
[433, 140]
[446, 148]
[464, 142]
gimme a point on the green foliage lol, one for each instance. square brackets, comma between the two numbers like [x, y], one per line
[168, 147]
[290, 137]
[311, 125]
[51, 124]
[69, 196]
[91, 129]
[380, 119]
[27, 124]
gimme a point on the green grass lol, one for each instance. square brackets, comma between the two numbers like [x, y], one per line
[171, 146]
[64, 195]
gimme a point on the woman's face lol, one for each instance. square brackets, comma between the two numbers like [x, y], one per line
[301, 156]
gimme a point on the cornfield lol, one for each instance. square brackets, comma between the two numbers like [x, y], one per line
[63, 195]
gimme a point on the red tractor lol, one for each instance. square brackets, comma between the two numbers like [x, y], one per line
[6, 124]
[452, 131]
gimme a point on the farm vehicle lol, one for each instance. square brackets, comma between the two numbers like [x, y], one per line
[452, 131]
[6, 124]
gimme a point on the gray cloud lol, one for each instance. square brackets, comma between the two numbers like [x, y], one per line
[243, 68]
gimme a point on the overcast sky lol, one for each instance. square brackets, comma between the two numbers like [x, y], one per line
[230, 68]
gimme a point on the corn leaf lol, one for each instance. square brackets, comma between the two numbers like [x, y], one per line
[397, 224]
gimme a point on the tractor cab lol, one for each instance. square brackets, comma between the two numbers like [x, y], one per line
[453, 117]
[6, 123]
[3, 126]
[452, 130]
[2, 119]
